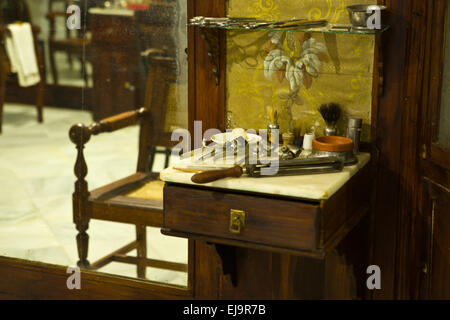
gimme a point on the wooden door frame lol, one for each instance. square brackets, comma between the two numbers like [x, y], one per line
[435, 160]
[421, 24]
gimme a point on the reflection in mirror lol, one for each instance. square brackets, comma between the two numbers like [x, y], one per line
[444, 126]
[67, 58]
[132, 56]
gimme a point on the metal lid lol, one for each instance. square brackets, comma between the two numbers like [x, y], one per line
[355, 122]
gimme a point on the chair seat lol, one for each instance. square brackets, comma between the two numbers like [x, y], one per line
[136, 199]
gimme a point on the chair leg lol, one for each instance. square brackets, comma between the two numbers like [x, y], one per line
[40, 100]
[168, 154]
[53, 66]
[70, 60]
[141, 237]
[152, 158]
[83, 244]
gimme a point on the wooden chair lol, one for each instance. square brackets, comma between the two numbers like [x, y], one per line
[13, 11]
[112, 202]
[73, 45]
[154, 28]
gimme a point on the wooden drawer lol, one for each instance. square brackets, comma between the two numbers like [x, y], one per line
[271, 222]
[284, 225]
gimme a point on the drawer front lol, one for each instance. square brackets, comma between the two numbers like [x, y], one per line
[272, 222]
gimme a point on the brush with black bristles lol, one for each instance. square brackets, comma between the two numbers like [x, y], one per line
[331, 113]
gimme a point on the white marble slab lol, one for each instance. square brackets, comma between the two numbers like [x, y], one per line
[314, 187]
[112, 12]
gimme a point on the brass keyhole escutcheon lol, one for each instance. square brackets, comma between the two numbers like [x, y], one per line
[237, 221]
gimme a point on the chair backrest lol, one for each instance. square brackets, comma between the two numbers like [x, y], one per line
[162, 74]
[14, 10]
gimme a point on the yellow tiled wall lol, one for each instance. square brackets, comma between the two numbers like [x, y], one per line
[345, 76]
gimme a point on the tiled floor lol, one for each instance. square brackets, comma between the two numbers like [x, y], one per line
[36, 183]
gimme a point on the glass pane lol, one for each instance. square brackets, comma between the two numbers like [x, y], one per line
[330, 28]
[444, 126]
[120, 56]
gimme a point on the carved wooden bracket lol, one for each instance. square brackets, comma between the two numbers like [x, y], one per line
[212, 37]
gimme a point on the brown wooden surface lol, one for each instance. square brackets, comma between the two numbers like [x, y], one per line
[206, 98]
[56, 96]
[116, 74]
[436, 281]
[34, 280]
[281, 223]
[394, 138]
[430, 250]
[269, 275]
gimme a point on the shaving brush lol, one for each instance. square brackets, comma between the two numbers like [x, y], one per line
[331, 113]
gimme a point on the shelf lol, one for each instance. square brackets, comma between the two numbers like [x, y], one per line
[212, 31]
[328, 29]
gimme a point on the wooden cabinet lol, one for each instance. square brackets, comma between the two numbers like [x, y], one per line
[116, 66]
[276, 223]
[273, 247]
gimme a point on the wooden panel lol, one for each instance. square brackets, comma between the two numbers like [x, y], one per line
[280, 223]
[206, 99]
[116, 74]
[33, 280]
[346, 207]
[440, 259]
[437, 285]
[389, 141]
[113, 29]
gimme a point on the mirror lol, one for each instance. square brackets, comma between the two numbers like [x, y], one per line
[67, 51]
[444, 125]
[112, 72]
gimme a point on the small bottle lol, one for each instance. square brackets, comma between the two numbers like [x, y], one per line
[354, 132]
[273, 131]
[288, 138]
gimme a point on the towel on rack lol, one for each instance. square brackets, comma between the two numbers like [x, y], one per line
[22, 55]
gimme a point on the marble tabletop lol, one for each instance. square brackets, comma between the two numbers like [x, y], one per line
[112, 11]
[314, 187]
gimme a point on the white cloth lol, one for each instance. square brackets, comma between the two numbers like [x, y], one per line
[22, 55]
